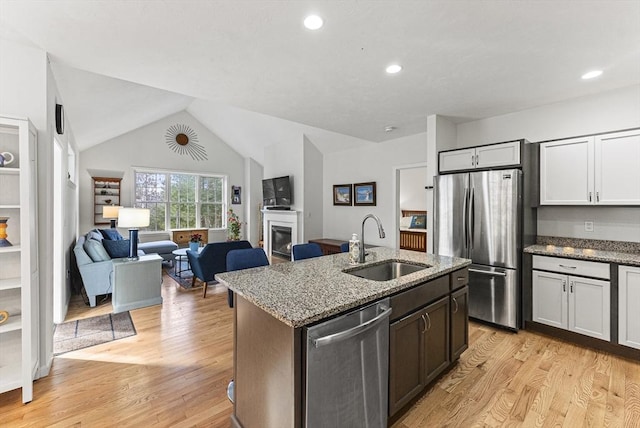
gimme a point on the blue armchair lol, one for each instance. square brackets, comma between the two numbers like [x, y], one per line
[245, 259]
[212, 260]
[306, 251]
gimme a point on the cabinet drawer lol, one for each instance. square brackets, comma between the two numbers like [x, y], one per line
[459, 278]
[418, 296]
[572, 267]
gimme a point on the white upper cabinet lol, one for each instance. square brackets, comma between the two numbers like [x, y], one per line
[592, 170]
[490, 156]
[566, 172]
[617, 168]
[455, 160]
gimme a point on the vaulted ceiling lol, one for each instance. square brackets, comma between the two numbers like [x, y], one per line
[133, 62]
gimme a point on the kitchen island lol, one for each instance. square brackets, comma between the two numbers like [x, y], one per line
[275, 303]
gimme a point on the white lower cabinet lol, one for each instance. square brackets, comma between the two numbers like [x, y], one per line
[572, 302]
[628, 306]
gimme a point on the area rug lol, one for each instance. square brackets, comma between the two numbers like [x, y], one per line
[186, 276]
[74, 335]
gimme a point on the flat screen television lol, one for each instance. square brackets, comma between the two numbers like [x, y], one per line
[276, 192]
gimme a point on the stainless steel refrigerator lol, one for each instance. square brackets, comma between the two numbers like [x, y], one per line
[480, 216]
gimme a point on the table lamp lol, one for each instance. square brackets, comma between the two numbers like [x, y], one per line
[133, 218]
[110, 212]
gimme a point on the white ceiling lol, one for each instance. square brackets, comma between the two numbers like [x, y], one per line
[133, 62]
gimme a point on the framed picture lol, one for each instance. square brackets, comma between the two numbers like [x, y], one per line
[236, 197]
[365, 194]
[342, 194]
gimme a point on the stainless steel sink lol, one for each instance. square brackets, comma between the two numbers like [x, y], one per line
[385, 271]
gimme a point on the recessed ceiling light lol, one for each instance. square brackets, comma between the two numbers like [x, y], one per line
[592, 74]
[389, 128]
[313, 22]
[394, 68]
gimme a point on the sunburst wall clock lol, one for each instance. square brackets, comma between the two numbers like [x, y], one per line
[184, 141]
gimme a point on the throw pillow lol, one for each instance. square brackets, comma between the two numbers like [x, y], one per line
[95, 250]
[117, 249]
[405, 222]
[111, 234]
[94, 234]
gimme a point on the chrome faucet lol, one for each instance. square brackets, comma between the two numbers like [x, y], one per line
[380, 233]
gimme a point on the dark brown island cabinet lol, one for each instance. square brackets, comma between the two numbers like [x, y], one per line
[429, 330]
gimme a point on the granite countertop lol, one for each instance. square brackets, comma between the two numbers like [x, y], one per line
[625, 253]
[303, 292]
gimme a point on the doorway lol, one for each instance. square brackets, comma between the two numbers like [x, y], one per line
[412, 194]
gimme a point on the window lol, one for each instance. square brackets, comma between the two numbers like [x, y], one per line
[181, 201]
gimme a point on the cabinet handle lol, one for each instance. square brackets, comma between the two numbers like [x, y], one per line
[455, 311]
[571, 287]
[424, 320]
[477, 160]
[589, 196]
[564, 286]
[597, 196]
[429, 320]
[568, 267]
[461, 278]
[473, 160]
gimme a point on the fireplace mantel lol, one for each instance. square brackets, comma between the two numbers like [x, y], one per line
[283, 218]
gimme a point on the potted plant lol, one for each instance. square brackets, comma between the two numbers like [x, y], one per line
[194, 241]
[233, 226]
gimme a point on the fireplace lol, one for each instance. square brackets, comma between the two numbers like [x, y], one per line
[281, 242]
[281, 231]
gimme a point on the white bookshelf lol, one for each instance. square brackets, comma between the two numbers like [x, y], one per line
[19, 273]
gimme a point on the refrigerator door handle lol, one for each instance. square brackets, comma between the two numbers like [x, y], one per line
[465, 216]
[471, 217]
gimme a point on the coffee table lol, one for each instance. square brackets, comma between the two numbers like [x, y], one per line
[181, 256]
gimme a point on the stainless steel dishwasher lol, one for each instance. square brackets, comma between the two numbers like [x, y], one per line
[347, 368]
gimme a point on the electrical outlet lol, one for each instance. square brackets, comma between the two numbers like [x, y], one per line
[588, 226]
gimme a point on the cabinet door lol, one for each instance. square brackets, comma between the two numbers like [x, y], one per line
[495, 155]
[589, 307]
[628, 300]
[406, 360]
[566, 172]
[457, 160]
[549, 298]
[459, 322]
[436, 338]
[617, 175]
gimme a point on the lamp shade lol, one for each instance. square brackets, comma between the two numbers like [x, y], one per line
[110, 211]
[134, 217]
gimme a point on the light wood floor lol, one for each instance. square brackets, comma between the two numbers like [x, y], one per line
[174, 372]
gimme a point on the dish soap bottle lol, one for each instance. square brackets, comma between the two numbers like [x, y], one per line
[354, 249]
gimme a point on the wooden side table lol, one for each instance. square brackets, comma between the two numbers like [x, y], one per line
[137, 283]
[183, 236]
[329, 246]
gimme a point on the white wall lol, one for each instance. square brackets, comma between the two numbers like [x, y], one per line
[287, 158]
[413, 195]
[609, 111]
[312, 215]
[252, 199]
[379, 163]
[146, 147]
